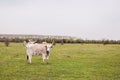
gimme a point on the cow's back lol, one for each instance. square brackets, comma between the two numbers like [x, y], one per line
[38, 49]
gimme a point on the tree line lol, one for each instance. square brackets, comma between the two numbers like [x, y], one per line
[61, 41]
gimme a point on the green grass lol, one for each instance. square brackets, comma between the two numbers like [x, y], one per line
[67, 62]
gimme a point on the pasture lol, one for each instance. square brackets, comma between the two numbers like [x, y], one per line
[67, 62]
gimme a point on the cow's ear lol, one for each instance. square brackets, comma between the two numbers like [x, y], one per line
[52, 46]
[53, 42]
[45, 46]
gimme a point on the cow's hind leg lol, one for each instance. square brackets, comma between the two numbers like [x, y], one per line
[27, 57]
[30, 57]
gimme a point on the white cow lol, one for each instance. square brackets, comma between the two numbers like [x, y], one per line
[37, 49]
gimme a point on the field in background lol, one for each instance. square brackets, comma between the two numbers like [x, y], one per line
[67, 62]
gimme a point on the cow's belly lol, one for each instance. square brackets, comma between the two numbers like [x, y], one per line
[37, 52]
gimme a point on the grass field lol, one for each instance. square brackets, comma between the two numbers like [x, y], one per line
[67, 62]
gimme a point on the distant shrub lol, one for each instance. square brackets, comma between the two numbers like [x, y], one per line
[7, 42]
[61, 41]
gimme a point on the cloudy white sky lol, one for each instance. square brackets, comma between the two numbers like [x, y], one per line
[87, 19]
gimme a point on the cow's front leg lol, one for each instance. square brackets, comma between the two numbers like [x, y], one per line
[44, 56]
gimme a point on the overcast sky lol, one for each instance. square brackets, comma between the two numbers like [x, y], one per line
[87, 19]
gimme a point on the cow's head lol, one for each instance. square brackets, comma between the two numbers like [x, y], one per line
[48, 48]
